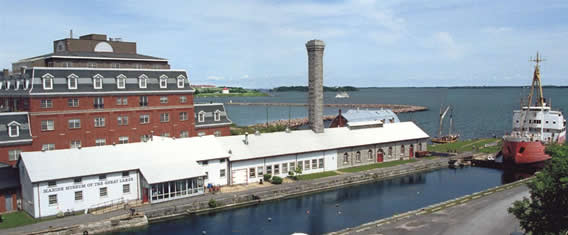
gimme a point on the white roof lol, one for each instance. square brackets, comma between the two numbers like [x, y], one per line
[160, 160]
[282, 143]
[365, 123]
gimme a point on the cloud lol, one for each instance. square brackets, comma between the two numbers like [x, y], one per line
[496, 30]
[215, 78]
[448, 46]
[245, 76]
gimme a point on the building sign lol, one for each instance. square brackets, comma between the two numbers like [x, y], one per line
[88, 185]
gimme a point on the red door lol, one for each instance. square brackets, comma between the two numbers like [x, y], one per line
[145, 195]
[411, 151]
[379, 157]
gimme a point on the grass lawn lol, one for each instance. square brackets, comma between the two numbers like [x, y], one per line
[317, 175]
[467, 145]
[16, 219]
[376, 165]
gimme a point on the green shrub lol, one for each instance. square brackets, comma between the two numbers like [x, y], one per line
[212, 203]
[276, 180]
[267, 177]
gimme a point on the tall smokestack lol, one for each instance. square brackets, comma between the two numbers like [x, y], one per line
[315, 74]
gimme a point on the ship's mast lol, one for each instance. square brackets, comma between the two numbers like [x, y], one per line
[536, 86]
[442, 115]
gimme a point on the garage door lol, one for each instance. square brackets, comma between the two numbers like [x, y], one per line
[239, 176]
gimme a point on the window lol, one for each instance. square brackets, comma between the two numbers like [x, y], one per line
[390, 150]
[72, 82]
[98, 81]
[217, 133]
[122, 120]
[137, 66]
[74, 123]
[47, 125]
[103, 192]
[307, 164]
[201, 116]
[53, 199]
[143, 100]
[180, 81]
[222, 173]
[183, 116]
[46, 104]
[269, 170]
[217, 115]
[121, 100]
[184, 134]
[14, 130]
[67, 64]
[358, 156]
[201, 133]
[260, 171]
[144, 119]
[47, 82]
[14, 154]
[125, 173]
[167, 134]
[370, 154]
[115, 65]
[277, 169]
[78, 195]
[206, 175]
[163, 81]
[142, 81]
[99, 103]
[252, 173]
[51, 183]
[345, 158]
[314, 163]
[402, 150]
[47, 147]
[100, 142]
[163, 99]
[292, 166]
[75, 144]
[121, 81]
[183, 99]
[126, 188]
[73, 102]
[99, 122]
[301, 165]
[321, 163]
[102, 177]
[123, 140]
[285, 168]
[77, 180]
[91, 65]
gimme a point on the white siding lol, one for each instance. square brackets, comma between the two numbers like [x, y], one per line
[330, 161]
[213, 168]
[245, 165]
[29, 192]
[90, 185]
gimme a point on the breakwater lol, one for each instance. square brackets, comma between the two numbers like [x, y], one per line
[397, 108]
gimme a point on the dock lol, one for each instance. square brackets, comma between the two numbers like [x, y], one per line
[397, 108]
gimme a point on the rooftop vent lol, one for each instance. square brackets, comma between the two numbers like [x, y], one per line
[288, 130]
[246, 140]
[257, 132]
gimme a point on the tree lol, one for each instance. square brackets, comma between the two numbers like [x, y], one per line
[546, 211]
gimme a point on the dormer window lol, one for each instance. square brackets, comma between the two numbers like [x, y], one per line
[163, 81]
[180, 81]
[143, 81]
[121, 81]
[17, 85]
[26, 86]
[14, 129]
[201, 116]
[47, 82]
[217, 115]
[1, 85]
[98, 81]
[72, 81]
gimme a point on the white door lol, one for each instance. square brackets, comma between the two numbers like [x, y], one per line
[239, 176]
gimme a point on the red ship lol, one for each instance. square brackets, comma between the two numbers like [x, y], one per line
[534, 126]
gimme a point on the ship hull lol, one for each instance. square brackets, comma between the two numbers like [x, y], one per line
[524, 152]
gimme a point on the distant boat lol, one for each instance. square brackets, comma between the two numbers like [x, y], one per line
[450, 138]
[342, 95]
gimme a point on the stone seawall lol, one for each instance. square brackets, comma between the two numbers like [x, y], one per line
[293, 190]
[104, 226]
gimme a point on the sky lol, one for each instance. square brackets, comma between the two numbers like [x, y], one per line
[261, 44]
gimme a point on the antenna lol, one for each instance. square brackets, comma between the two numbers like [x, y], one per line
[71, 33]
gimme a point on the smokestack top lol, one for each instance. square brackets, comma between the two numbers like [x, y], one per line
[315, 44]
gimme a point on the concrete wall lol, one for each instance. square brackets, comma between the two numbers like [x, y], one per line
[90, 185]
[391, 152]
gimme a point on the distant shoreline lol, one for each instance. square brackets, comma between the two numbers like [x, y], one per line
[449, 87]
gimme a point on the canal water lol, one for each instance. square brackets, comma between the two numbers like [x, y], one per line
[340, 208]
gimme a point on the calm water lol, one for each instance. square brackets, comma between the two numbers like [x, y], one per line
[357, 204]
[478, 112]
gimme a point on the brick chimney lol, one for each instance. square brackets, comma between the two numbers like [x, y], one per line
[315, 79]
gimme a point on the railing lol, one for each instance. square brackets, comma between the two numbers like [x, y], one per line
[107, 206]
